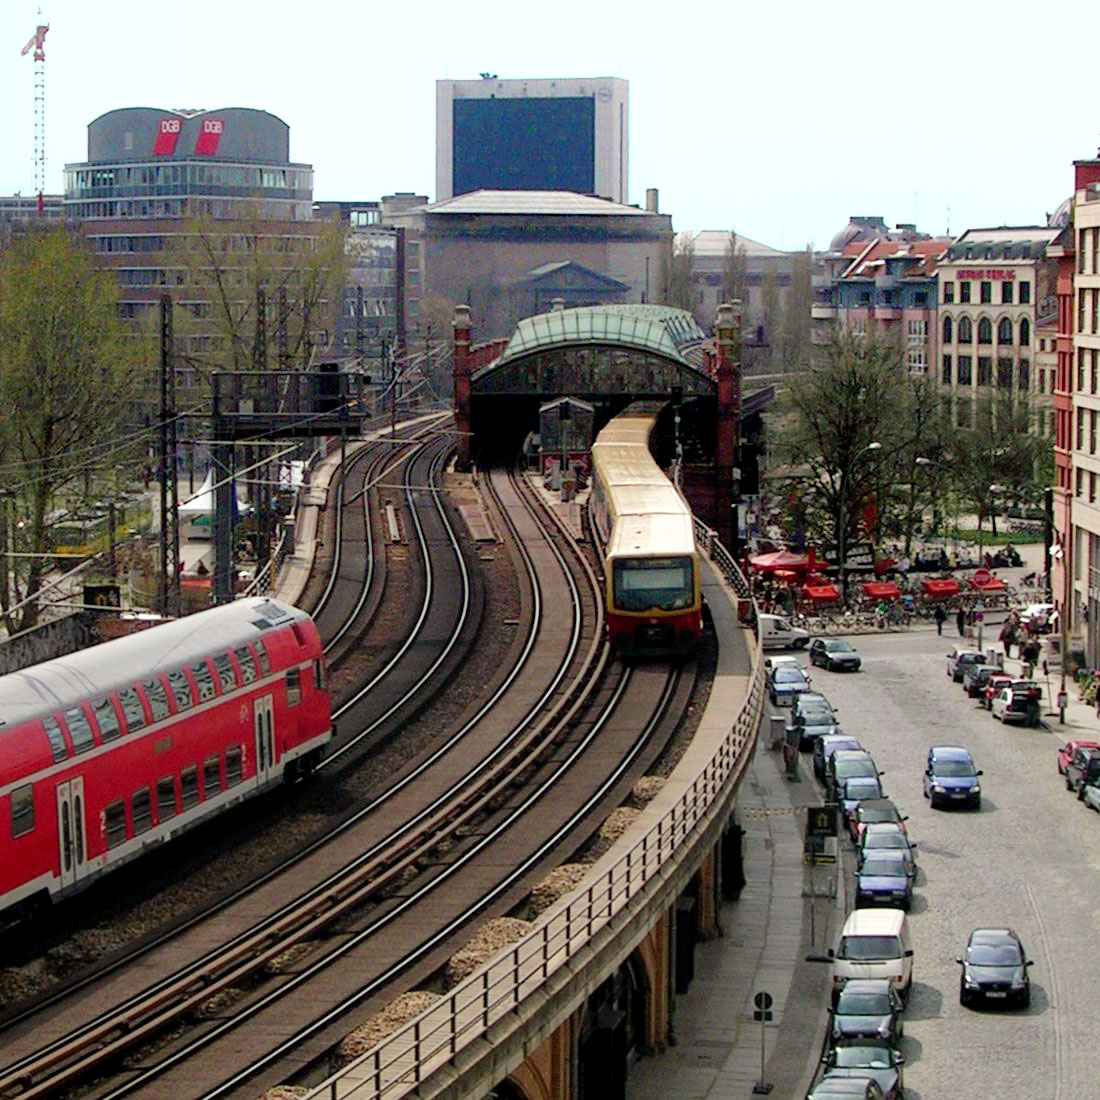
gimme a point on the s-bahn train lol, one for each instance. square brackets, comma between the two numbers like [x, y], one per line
[116, 749]
[651, 563]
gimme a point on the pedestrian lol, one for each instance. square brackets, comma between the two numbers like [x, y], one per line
[1008, 636]
[1029, 653]
[939, 615]
[960, 621]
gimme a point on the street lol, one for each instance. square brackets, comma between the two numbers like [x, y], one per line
[1028, 860]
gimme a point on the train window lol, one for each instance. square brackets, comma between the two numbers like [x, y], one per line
[319, 674]
[116, 823]
[57, 742]
[233, 765]
[80, 729]
[158, 698]
[22, 810]
[204, 678]
[226, 676]
[293, 686]
[181, 689]
[106, 719]
[132, 708]
[248, 665]
[141, 810]
[189, 786]
[211, 776]
[265, 664]
[166, 798]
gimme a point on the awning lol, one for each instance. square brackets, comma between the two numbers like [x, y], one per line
[993, 584]
[940, 587]
[881, 590]
[779, 559]
[821, 593]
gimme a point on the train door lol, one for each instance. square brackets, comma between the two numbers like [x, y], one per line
[71, 833]
[263, 723]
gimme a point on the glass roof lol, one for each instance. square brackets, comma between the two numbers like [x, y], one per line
[659, 329]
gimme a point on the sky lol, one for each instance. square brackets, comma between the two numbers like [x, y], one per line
[778, 120]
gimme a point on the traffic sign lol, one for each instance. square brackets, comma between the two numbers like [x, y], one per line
[763, 1001]
[821, 820]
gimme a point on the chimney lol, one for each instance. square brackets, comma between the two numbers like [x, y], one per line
[557, 305]
[651, 200]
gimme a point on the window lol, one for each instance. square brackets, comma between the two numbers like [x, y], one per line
[859, 327]
[945, 371]
[181, 689]
[948, 293]
[1081, 310]
[985, 291]
[57, 742]
[141, 810]
[189, 786]
[166, 798]
[948, 330]
[1004, 372]
[1092, 431]
[293, 687]
[106, 719]
[964, 370]
[1025, 293]
[22, 810]
[1081, 252]
[116, 823]
[80, 729]
[226, 676]
[1004, 331]
[1080, 429]
[211, 776]
[1025, 376]
[247, 664]
[158, 698]
[1006, 293]
[233, 766]
[1095, 310]
[1080, 370]
[319, 674]
[985, 331]
[920, 298]
[1096, 251]
[132, 709]
[265, 664]
[1092, 371]
[1079, 488]
[985, 370]
[964, 291]
[966, 331]
[1092, 488]
[204, 680]
[1025, 333]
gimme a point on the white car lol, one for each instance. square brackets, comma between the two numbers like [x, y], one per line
[1045, 613]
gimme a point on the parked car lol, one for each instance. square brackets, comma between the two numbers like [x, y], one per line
[776, 632]
[887, 836]
[993, 685]
[774, 660]
[1065, 753]
[885, 877]
[1013, 704]
[869, 1007]
[958, 658]
[824, 747]
[950, 777]
[1083, 767]
[834, 655]
[812, 724]
[1090, 795]
[785, 683]
[859, 1057]
[811, 699]
[856, 790]
[1041, 616]
[847, 764]
[834, 1087]
[976, 677]
[994, 968]
[874, 812]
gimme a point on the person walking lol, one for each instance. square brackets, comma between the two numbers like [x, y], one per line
[960, 621]
[1029, 653]
[939, 615]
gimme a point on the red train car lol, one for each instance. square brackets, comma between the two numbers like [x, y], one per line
[118, 748]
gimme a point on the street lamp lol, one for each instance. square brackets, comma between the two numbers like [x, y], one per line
[922, 461]
[842, 550]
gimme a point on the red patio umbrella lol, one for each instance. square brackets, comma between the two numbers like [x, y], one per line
[940, 587]
[821, 593]
[779, 559]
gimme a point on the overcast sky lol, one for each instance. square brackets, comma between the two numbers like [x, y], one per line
[778, 120]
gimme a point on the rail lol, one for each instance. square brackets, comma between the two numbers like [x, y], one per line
[411, 1055]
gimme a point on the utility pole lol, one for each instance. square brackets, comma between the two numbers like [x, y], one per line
[169, 485]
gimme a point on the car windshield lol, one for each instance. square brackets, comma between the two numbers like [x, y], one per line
[855, 790]
[842, 746]
[885, 840]
[858, 766]
[863, 1004]
[819, 716]
[838, 647]
[877, 815]
[663, 584]
[869, 948]
[788, 674]
[875, 866]
[852, 1057]
[995, 954]
[954, 769]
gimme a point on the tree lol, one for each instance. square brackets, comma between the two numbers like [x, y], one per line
[797, 307]
[769, 292]
[677, 261]
[735, 286]
[68, 370]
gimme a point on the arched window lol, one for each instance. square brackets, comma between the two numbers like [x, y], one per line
[1004, 331]
[947, 330]
[985, 331]
[1025, 332]
[966, 333]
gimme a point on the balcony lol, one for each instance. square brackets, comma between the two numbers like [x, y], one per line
[887, 313]
[823, 312]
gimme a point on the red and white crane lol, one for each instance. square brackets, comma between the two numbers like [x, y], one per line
[38, 44]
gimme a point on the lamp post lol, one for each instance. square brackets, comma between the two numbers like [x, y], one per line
[841, 542]
[922, 461]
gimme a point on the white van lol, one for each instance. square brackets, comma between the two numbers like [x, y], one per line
[874, 943]
[777, 633]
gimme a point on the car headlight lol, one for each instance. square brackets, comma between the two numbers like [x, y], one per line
[937, 788]
[976, 789]
[970, 983]
[1018, 983]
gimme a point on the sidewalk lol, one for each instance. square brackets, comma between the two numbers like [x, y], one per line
[716, 1044]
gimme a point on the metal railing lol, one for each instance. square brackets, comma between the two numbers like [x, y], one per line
[412, 1054]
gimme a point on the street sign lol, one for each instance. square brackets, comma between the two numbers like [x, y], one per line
[821, 820]
[763, 1001]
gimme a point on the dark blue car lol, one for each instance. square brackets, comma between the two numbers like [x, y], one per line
[885, 877]
[950, 778]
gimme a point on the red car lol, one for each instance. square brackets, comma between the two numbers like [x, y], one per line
[993, 685]
[1065, 753]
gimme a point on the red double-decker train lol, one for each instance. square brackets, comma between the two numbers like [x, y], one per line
[116, 749]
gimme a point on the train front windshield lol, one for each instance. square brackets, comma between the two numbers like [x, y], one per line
[653, 584]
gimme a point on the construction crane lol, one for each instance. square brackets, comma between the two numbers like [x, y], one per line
[38, 44]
